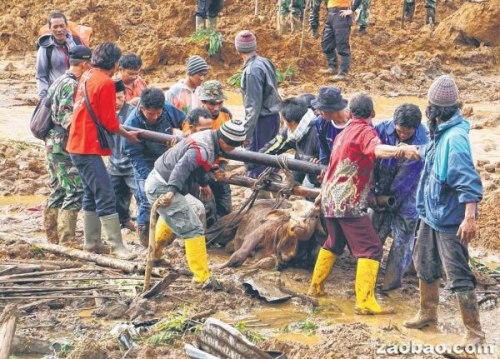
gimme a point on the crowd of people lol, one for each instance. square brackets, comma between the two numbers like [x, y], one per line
[391, 177]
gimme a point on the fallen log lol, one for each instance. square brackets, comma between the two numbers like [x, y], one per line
[102, 260]
[49, 272]
[242, 155]
[41, 280]
[272, 186]
[7, 331]
[59, 297]
[27, 290]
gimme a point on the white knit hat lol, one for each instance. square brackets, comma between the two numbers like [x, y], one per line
[233, 133]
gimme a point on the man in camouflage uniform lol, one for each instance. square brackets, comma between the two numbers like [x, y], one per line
[364, 13]
[430, 7]
[314, 17]
[291, 12]
[66, 195]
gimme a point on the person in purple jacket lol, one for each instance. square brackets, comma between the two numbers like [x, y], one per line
[398, 178]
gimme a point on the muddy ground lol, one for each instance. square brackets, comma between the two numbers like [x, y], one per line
[395, 65]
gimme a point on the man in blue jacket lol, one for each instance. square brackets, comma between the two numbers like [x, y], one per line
[153, 114]
[398, 178]
[447, 198]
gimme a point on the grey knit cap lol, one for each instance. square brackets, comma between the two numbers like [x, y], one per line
[443, 92]
[196, 64]
[245, 42]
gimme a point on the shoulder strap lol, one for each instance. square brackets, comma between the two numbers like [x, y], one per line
[89, 106]
[199, 159]
[48, 51]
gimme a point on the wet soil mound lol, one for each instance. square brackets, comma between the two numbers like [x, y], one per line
[388, 59]
[473, 23]
[23, 169]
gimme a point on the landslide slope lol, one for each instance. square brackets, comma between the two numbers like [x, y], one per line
[388, 59]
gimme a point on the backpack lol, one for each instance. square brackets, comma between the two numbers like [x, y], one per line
[41, 119]
[81, 34]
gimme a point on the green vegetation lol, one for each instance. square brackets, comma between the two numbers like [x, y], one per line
[212, 38]
[37, 250]
[482, 268]
[235, 80]
[168, 331]
[287, 75]
[254, 337]
[305, 326]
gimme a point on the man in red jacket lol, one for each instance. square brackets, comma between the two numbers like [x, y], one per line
[99, 203]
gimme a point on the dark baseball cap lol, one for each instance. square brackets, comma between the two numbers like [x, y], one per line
[80, 52]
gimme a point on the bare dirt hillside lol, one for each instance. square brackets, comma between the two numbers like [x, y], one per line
[388, 60]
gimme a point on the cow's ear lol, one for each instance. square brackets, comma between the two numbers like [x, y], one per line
[277, 214]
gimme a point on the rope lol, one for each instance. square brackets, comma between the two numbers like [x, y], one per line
[259, 185]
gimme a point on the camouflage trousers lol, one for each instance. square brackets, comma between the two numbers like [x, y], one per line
[295, 7]
[65, 183]
[364, 13]
[428, 3]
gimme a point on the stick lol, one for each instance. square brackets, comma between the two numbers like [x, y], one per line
[44, 290]
[40, 280]
[305, 298]
[7, 330]
[256, 8]
[278, 18]
[308, 3]
[59, 297]
[50, 272]
[151, 246]
[161, 285]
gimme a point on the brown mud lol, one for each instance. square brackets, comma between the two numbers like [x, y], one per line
[395, 65]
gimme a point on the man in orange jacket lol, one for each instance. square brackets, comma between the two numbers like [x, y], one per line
[99, 204]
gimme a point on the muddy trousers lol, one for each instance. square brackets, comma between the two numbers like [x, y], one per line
[335, 40]
[435, 250]
[208, 8]
[182, 216]
[266, 129]
[66, 189]
[400, 254]
[99, 195]
[124, 187]
[355, 232]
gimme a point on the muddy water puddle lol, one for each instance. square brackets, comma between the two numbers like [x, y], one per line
[290, 321]
[22, 200]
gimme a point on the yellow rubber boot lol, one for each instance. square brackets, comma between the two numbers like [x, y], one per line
[163, 237]
[322, 268]
[366, 278]
[196, 255]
